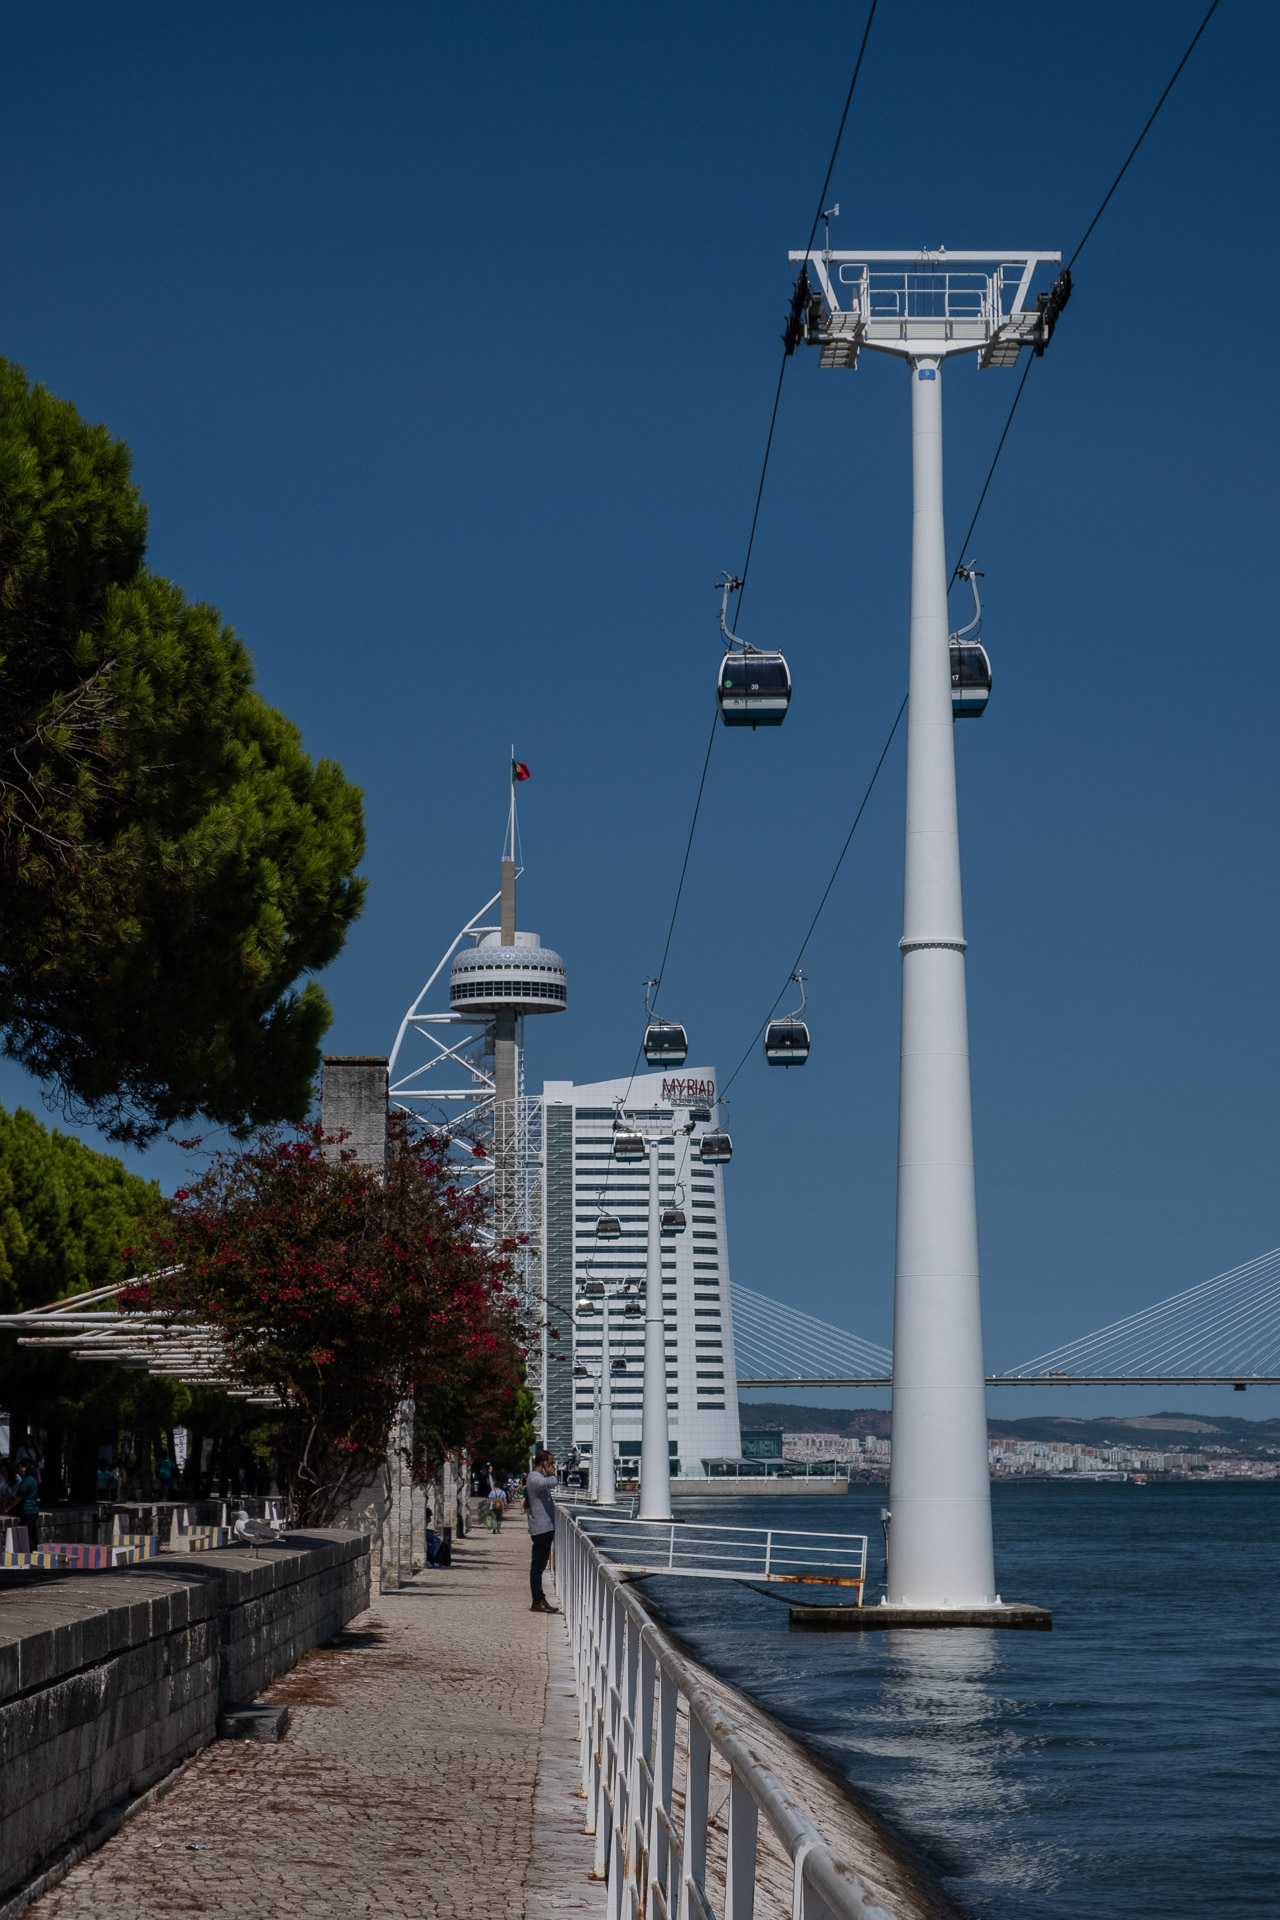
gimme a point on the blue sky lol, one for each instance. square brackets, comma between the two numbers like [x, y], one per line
[445, 340]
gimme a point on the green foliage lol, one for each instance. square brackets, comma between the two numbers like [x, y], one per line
[66, 1214]
[173, 861]
[346, 1294]
[507, 1444]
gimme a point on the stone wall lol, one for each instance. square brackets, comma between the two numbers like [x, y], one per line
[108, 1681]
[277, 1606]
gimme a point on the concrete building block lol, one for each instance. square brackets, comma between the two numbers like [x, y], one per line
[353, 1100]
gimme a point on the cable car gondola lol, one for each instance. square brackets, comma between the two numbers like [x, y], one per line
[754, 684]
[786, 1041]
[628, 1145]
[608, 1227]
[582, 1373]
[673, 1220]
[715, 1148]
[970, 665]
[594, 1287]
[634, 1308]
[666, 1044]
[617, 1366]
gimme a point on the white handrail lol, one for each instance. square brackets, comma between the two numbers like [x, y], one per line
[699, 1550]
[630, 1681]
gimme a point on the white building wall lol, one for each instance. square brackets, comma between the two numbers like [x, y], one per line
[702, 1393]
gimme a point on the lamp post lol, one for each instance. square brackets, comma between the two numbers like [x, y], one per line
[606, 1486]
[655, 1428]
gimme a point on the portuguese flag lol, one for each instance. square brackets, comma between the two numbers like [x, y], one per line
[519, 771]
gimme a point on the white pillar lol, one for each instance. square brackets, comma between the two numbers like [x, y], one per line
[606, 1482]
[940, 1551]
[655, 1446]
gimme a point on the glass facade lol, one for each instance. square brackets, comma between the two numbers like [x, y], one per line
[701, 1381]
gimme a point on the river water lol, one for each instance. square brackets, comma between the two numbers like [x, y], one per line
[1121, 1767]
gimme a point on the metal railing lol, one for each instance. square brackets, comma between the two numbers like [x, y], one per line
[921, 294]
[713, 1552]
[651, 1842]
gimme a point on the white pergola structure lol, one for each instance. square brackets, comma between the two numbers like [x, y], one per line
[924, 307]
[90, 1326]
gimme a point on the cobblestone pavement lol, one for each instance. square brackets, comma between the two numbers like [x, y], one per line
[405, 1785]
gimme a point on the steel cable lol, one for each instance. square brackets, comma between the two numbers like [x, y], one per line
[1106, 198]
[751, 537]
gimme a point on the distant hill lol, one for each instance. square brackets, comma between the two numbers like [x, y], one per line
[1258, 1438]
[761, 1415]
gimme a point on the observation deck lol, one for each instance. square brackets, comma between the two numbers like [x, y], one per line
[491, 978]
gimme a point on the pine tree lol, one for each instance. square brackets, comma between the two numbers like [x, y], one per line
[173, 861]
[66, 1214]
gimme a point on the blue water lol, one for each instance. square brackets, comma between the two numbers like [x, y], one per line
[1121, 1767]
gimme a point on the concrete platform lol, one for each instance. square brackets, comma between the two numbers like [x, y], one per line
[877, 1619]
[728, 1489]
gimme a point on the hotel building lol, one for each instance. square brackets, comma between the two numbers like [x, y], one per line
[581, 1179]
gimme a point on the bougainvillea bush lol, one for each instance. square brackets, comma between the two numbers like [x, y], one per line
[346, 1294]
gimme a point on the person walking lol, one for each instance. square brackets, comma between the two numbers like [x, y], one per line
[28, 1505]
[540, 1509]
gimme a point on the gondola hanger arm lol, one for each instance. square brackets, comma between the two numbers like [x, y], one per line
[967, 571]
[729, 583]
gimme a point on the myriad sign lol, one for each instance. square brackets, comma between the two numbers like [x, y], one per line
[684, 1092]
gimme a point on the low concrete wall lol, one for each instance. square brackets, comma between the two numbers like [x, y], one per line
[108, 1681]
[276, 1606]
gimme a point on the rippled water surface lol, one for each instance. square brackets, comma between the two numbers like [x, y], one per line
[1122, 1767]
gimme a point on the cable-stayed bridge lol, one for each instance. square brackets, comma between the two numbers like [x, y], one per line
[1224, 1332]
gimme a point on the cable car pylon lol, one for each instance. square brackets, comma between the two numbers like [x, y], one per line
[925, 305]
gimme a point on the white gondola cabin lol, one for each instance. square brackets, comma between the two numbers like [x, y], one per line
[666, 1044]
[754, 683]
[786, 1041]
[970, 665]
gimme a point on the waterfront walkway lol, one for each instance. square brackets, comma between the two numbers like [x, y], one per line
[430, 1769]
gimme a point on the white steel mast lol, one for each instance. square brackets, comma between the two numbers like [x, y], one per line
[925, 307]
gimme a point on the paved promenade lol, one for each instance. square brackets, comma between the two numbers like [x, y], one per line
[429, 1769]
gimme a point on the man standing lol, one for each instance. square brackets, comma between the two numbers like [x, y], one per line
[540, 1506]
[28, 1506]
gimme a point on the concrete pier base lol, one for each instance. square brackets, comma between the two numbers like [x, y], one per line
[873, 1619]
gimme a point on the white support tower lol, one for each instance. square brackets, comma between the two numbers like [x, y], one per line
[471, 1082]
[924, 307]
